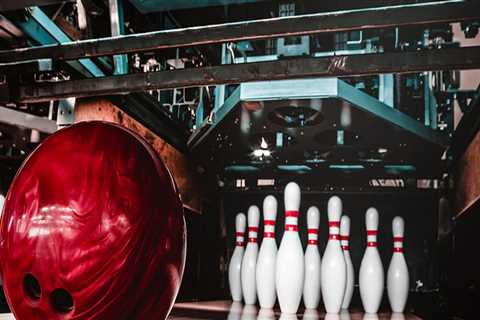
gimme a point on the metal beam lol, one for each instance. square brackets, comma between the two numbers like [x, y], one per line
[383, 17]
[7, 5]
[27, 120]
[333, 66]
[43, 30]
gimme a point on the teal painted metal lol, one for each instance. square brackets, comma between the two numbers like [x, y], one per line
[294, 168]
[117, 25]
[346, 167]
[43, 30]
[241, 168]
[398, 169]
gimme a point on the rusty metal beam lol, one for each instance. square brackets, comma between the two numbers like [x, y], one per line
[334, 66]
[383, 17]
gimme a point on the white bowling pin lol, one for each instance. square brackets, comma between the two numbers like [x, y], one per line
[249, 262]
[397, 275]
[311, 288]
[371, 278]
[333, 269]
[344, 237]
[290, 261]
[2, 201]
[267, 256]
[235, 266]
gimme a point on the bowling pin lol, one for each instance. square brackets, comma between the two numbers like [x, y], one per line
[344, 238]
[333, 269]
[290, 261]
[397, 275]
[235, 267]
[267, 256]
[371, 278]
[2, 201]
[249, 262]
[311, 288]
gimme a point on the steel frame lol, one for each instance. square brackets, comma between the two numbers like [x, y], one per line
[332, 66]
[340, 21]
[26, 120]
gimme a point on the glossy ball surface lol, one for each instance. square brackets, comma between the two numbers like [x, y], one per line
[92, 228]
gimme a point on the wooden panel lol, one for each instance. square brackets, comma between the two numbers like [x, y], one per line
[467, 177]
[181, 168]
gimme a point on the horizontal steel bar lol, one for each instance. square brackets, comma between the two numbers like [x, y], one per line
[333, 66]
[26, 120]
[383, 17]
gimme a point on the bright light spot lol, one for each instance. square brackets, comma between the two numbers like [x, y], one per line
[264, 144]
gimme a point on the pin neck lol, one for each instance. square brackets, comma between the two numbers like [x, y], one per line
[398, 244]
[312, 236]
[291, 220]
[252, 234]
[269, 228]
[372, 238]
[240, 239]
[344, 242]
[333, 230]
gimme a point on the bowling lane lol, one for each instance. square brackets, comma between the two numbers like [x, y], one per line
[225, 309]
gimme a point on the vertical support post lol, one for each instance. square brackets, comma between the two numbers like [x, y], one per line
[199, 112]
[385, 91]
[117, 28]
[220, 90]
[430, 102]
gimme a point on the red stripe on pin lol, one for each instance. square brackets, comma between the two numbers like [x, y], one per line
[269, 222]
[397, 249]
[371, 232]
[333, 236]
[334, 224]
[397, 239]
[345, 248]
[268, 235]
[240, 234]
[344, 238]
[291, 213]
[252, 229]
[253, 240]
[312, 241]
[291, 227]
[312, 231]
[240, 243]
[371, 244]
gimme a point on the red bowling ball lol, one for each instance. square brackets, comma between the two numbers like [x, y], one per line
[92, 228]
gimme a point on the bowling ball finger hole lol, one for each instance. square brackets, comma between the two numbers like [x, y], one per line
[61, 301]
[32, 288]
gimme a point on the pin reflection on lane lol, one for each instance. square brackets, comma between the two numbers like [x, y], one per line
[397, 316]
[249, 312]
[345, 315]
[311, 314]
[370, 316]
[235, 312]
[266, 314]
